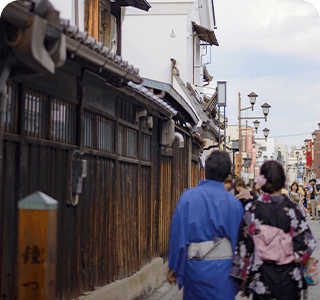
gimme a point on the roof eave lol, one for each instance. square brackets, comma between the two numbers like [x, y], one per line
[174, 94]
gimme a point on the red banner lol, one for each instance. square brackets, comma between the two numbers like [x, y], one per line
[309, 154]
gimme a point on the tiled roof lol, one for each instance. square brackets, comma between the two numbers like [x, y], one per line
[142, 90]
[78, 43]
[198, 108]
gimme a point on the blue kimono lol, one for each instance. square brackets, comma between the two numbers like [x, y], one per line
[202, 213]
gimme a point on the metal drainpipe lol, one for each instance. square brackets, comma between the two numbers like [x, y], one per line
[74, 200]
[172, 65]
[179, 137]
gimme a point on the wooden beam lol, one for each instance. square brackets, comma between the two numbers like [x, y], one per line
[91, 17]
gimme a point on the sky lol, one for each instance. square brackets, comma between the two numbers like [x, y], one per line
[271, 48]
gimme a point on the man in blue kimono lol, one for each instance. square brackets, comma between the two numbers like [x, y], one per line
[203, 236]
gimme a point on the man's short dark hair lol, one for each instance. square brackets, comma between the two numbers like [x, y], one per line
[312, 180]
[218, 166]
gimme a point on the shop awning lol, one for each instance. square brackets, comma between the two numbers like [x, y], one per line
[205, 34]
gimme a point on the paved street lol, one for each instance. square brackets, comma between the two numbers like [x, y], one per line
[167, 292]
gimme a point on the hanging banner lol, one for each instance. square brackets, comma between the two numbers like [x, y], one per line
[243, 140]
[253, 161]
[254, 156]
[257, 171]
[309, 154]
[249, 139]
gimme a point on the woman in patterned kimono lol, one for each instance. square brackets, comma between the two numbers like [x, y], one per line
[274, 242]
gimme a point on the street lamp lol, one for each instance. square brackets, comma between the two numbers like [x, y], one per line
[266, 132]
[265, 157]
[256, 125]
[252, 98]
[306, 142]
[303, 148]
[314, 135]
[265, 109]
[319, 125]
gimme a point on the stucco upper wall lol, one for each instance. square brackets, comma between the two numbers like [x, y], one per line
[150, 41]
[199, 11]
[67, 11]
[206, 13]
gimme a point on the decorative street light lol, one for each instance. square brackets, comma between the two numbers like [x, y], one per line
[314, 135]
[319, 125]
[306, 142]
[252, 98]
[303, 148]
[266, 132]
[265, 109]
[265, 157]
[256, 125]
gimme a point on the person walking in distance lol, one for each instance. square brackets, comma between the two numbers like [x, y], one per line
[243, 193]
[275, 241]
[294, 194]
[312, 194]
[203, 235]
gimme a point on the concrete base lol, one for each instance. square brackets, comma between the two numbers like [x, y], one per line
[137, 286]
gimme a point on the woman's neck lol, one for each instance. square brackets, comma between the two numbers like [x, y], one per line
[277, 192]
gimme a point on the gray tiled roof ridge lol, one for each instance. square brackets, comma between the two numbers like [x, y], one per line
[144, 91]
[82, 36]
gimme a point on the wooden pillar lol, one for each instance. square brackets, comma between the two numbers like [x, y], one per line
[37, 247]
[92, 17]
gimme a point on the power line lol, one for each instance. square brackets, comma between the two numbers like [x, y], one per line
[289, 135]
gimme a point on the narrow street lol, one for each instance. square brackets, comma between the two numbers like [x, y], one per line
[167, 292]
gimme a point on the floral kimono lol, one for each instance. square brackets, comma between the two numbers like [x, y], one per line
[267, 279]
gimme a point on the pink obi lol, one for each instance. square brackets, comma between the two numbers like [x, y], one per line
[274, 244]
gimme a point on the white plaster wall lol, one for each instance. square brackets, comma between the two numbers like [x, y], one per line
[232, 132]
[206, 13]
[148, 45]
[67, 10]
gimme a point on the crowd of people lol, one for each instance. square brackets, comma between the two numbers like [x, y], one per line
[228, 237]
[297, 193]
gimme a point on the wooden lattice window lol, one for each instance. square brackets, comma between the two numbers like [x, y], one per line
[146, 147]
[62, 127]
[10, 116]
[105, 134]
[89, 129]
[36, 107]
[127, 141]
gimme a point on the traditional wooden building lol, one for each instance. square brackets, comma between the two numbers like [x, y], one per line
[70, 99]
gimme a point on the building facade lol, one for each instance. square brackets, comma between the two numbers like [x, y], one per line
[79, 101]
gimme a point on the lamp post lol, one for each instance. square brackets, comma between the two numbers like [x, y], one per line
[222, 102]
[265, 132]
[265, 109]
[256, 125]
